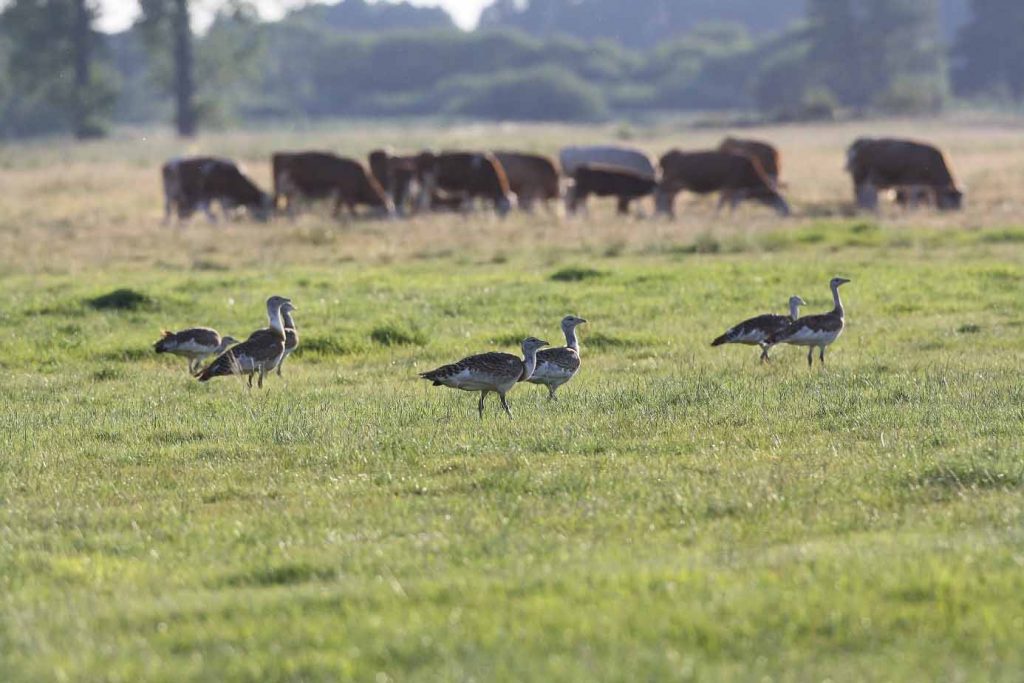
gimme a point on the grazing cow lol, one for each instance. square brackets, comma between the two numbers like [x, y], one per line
[192, 183]
[531, 177]
[397, 175]
[607, 181]
[765, 154]
[734, 176]
[911, 168]
[466, 176]
[322, 175]
[630, 160]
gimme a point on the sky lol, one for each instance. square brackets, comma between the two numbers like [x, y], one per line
[118, 14]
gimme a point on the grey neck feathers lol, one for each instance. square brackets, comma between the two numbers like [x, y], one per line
[529, 364]
[286, 318]
[570, 338]
[223, 346]
[275, 319]
[794, 310]
[838, 310]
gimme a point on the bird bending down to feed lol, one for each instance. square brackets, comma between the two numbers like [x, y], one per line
[195, 343]
[487, 372]
[260, 353]
[291, 334]
[758, 330]
[816, 330]
[557, 366]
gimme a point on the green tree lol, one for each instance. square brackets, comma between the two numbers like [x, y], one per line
[864, 50]
[988, 53]
[53, 81]
[200, 73]
[166, 27]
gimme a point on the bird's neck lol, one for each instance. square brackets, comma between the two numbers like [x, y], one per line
[570, 339]
[286, 318]
[529, 364]
[794, 310]
[839, 304]
[275, 319]
[222, 347]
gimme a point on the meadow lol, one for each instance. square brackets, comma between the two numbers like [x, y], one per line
[682, 513]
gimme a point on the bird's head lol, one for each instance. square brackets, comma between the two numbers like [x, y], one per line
[531, 344]
[796, 301]
[277, 302]
[837, 281]
[288, 307]
[227, 340]
[569, 322]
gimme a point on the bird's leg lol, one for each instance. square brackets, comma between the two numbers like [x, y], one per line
[480, 406]
[810, 356]
[504, 404]
[263, 373]
[764, 354]
[191, 366]
[279, 367]
[822, 354]
[250, 380]
[551, 392]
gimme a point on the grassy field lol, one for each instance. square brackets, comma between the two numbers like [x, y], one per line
[682, 513]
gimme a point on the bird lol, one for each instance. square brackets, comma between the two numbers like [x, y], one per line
[260, 353]
[291, 334]
[757, 330]
[195, 343]
[487, 372]
[816, 330]
[557, 366]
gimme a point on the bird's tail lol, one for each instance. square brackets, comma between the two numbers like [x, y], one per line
[224, 364]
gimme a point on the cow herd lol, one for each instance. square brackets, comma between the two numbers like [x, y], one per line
[403, 185]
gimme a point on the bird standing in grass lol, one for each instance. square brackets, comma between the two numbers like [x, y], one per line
[758, 330]
[195, 343]
[260, 353]
[291, 334]
[487, 372]
[816, 330]
[557, 366]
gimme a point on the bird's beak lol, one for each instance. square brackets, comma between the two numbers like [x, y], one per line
[580, 321]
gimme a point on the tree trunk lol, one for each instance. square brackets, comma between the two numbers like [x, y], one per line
[184, 86]
[82, 62]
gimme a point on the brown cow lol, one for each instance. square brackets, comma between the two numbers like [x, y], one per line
[911, 168]
[531, 177]
[397, 175]
[735, 176]
[765, 153]
[322, 175]
[466, 175]
[607, 181]
[192, 183]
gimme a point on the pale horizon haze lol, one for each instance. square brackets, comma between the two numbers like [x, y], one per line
[117, 15]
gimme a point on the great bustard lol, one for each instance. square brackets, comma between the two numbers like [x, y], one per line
[816, 330]
[291, 334]
[758, 330]
[557, 366]
[487, 372]
[195, 343]
[260, 353]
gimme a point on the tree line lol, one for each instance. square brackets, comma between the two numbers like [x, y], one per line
[355, 59]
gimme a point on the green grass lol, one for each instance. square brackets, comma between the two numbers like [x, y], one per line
[682, 513]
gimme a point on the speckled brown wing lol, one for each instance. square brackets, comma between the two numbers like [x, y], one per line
[756, 330]
[263, 348]
[557, 365]
[492, 365]
[192, 339]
